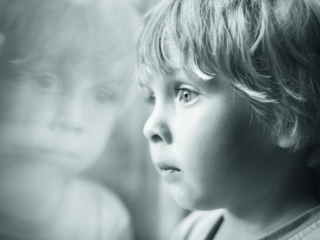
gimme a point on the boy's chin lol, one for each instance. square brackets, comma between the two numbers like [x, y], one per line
[191, 202]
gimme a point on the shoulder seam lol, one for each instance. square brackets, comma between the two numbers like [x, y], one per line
[308, 230]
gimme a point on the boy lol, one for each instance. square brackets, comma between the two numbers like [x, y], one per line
[236, 114]
[62, 84]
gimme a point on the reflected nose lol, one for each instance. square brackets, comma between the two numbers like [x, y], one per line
[156, 128]
[69, 114]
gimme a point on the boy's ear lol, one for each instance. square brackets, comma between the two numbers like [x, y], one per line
[286, 140]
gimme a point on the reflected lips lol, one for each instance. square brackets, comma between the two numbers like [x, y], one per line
[57, 153]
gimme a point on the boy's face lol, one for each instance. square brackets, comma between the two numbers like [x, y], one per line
[205, 141]
[61, 112]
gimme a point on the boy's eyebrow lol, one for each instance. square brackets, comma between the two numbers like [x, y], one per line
[181, 74]
[194, 74]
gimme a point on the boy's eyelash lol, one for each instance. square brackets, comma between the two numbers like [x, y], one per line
[186, 89]
[148, 95]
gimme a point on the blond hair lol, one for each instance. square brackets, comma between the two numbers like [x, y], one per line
[268, 50]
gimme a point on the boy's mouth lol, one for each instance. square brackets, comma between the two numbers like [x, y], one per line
[171, 170]
[167, 168]
[168, 172]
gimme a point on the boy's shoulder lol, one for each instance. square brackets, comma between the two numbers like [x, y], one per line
[312, 233]
[304, 227]
[197, 225]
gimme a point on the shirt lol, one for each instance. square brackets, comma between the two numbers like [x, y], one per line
[204, 225]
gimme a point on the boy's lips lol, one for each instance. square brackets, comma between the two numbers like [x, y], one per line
[169, 172]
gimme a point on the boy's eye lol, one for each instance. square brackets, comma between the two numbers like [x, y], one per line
[47, 82]
[186, 95]
[147, 94]
[150, 98]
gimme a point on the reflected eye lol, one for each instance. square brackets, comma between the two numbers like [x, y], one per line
[186, 95]
[104, 95]
[47, 82]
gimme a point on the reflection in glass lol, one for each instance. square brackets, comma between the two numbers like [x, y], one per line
[65, 68]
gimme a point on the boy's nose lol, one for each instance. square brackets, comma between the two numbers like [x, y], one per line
[69, 114]
[156, 128]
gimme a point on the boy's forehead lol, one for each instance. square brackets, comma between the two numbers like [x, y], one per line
[182, 66]
[172, 54]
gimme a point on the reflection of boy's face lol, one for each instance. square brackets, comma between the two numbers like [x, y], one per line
[205, 142]
[60, 113]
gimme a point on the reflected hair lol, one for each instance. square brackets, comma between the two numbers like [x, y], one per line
[267, 50]
[60, 29]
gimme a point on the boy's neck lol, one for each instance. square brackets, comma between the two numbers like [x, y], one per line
[283, 202]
